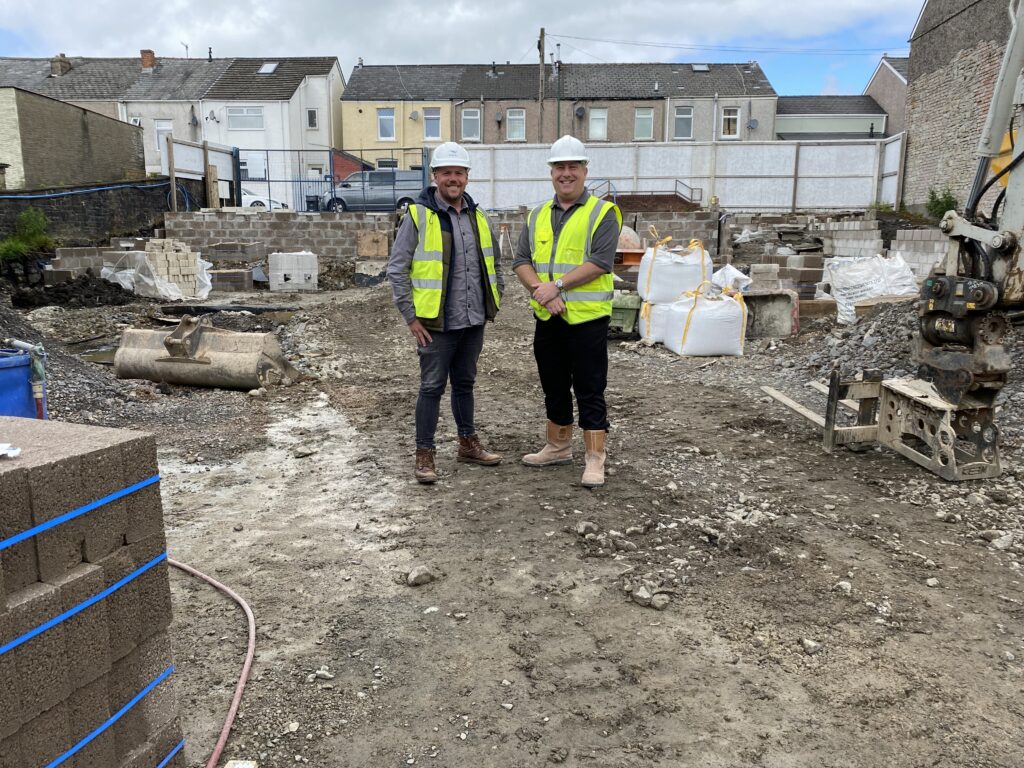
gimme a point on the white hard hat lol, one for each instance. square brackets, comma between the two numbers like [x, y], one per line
[568, 149]
[449, 154]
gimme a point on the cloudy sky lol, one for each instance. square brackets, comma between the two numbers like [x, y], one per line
[804, 46]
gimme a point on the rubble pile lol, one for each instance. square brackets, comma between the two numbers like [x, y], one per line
[83, 291]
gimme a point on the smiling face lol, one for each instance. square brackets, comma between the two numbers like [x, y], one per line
[451, 182]
[568, 179]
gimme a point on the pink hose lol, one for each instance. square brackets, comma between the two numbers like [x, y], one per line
[250, 652]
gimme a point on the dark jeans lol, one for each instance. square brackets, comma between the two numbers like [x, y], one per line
[573, 358]
[449, 355]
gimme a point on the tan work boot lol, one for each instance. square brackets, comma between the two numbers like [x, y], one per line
[557, 449]
[472, 451]
[425, 472]
[593, 473]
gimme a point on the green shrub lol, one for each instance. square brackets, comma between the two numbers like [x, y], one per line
[29, 236]
[878, 206]
[940, 202]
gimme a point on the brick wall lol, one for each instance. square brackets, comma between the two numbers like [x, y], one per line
[63, 145]
[87, 219]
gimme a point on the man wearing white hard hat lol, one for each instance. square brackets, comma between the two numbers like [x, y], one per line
[564, 257]
[446, 281]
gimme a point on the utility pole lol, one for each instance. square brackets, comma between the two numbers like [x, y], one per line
[540, 110]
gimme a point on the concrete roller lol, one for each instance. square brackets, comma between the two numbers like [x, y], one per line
[198, 355]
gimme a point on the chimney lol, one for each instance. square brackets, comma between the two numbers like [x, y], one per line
[59, 65]
[148, 59]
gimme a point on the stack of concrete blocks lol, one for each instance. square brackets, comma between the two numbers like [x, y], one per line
[922, 249]
[175, 262]
[235, 251]
[128, 243]
[231, 280]
[69, 263]
[85, 661]
[293, 271]
[850, 237]
[765, 277]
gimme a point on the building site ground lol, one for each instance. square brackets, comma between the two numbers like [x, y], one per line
[802, 609]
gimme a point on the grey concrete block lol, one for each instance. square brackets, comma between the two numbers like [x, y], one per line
[40, 663]
[86, 634]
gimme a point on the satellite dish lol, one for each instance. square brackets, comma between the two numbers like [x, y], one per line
[581, 111]
[414, 115]
[752, 124]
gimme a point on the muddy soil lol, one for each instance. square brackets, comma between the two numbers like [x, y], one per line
[849, 611]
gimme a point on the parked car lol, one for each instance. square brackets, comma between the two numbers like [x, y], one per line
[254, 200]
[382, 190]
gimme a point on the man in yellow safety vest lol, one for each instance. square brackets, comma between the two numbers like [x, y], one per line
[564, 257]
[446, 281]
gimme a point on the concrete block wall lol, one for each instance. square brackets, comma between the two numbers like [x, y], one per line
[856, 237]
[68, 662]
[921, 249]
[331, 236]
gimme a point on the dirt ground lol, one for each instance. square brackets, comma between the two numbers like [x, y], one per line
[849, 611]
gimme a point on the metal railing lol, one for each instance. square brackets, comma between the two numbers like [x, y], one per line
[688, 193]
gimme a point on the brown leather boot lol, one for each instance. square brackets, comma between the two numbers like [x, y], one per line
[557, 449]
[425, 472]
[472, 451]
[593, 473]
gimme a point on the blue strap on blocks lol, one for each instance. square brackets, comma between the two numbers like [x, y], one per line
[35, 531]
[114, 718]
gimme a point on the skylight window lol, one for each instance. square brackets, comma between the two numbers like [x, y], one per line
[268, 68]
[701, 67]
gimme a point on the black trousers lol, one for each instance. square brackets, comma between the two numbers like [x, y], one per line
[573, 359]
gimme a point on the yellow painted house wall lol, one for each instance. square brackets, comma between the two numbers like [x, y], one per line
[359, 130]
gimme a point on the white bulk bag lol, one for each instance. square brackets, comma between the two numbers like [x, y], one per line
[666, 276]
[653, 318]
[701, 325]
[859, 278]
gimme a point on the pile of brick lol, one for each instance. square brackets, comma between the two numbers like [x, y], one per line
[175, 262]
[84, 602]
[922, 249]
[231, 280]
[69, 263]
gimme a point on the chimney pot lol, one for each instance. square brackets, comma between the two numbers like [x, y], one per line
[148, 58]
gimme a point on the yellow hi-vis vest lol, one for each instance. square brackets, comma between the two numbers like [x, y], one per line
[584, 302]
[428, 262]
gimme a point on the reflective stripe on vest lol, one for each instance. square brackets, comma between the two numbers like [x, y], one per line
[583, 302]
[427, 271]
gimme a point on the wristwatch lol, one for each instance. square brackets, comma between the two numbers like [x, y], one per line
[558, 284]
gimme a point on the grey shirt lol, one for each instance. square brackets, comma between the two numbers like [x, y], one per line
[464, 298]
[602, 247]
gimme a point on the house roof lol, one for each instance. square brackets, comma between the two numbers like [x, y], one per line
[425, 82]
[87, 80]
[828, 105]
[171, 79]
[242, 80]
[900, 64]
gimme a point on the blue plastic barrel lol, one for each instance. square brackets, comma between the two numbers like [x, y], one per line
[16, 385]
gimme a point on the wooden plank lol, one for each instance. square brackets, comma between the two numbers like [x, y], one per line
[794, 406]
[867, 433]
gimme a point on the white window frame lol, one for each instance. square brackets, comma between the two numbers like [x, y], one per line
[520, 119]
[162, 128]
[315, 114]
[636, 124]
[234, 114]
[428, 120]
[602, 114]
[728, 111]
[676, 136]
[475, 117]
[382, 118]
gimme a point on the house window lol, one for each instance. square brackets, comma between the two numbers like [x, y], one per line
[386, 124]
[515, 125]
[598, 124]
[312, 119]
[471, 124]
[731, 123]
[387, 163]
[683, 126]
[163, 128]
[135, 120]
[245, 118]
[643, 123]
[253, 166]
[432, 123]
[268, 68]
